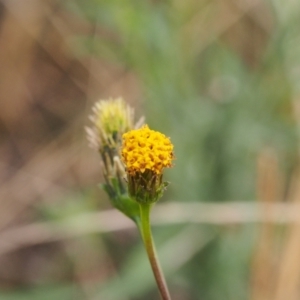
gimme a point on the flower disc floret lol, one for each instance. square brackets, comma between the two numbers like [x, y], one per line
[145, 149]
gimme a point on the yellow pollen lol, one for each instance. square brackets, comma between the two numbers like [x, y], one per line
[146, 149]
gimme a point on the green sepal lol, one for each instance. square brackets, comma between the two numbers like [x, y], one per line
[147, 187]
[121, 200]
[145, 196]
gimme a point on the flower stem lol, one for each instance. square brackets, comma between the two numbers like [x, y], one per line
[145, 229]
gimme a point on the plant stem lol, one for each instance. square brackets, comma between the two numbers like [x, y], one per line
[145, 229]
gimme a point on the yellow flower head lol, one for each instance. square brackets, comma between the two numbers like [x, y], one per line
[145, 149]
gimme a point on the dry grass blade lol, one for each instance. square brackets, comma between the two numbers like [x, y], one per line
[163, 214]
[287, 286]
[263, 268]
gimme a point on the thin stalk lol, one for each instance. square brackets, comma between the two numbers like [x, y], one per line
[145, 229]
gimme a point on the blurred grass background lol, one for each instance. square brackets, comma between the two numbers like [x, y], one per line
[221, 78]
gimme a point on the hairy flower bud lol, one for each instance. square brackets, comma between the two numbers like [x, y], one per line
[111, 119]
